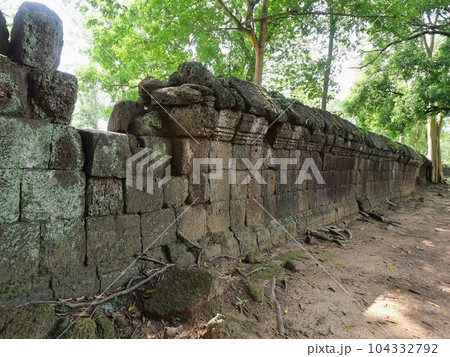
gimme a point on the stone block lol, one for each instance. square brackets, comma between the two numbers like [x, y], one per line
[230, 245]
[66, 149]
[147, 86]
[247, 240]
[110, 280]
[175, 191]
[195, 120]
[278, 234]
[148, 124]
[263, 238]
[219, 190]
[113, 241]
[52, 195]
[137, 201]
[270, 205]
[225, 127]
[237, 213]
[19, 255]
[185, 150]
[251, 130]
[10, 181]
[218, 216]
[184, 95]
[76, 282]
[158, 228]
[192, 221]
[106, 153]
[52, 95]
[63, 246]
[124, 113]
[104, 196]
[254, 212]
[195, 72]
[13, 89]
[37, 36]
[4, 36]
[24, 143]
[179, 253]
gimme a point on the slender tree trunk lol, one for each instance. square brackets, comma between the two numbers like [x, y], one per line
[434, 149]
[259, 64]
[326, 80]
[434, 127]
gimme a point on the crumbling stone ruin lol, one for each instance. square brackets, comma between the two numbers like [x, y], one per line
[69, 223]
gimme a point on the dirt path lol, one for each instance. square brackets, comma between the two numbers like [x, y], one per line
[390, 282]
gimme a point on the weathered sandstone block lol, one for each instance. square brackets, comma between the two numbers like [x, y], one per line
[158, 228]
[106, 153]
[66, 149]
[52, 95]
[112, 241]
[24, 143]
[13, 89]
[52, 194]
[4, 36]
[10, 181]
[104, 196]
[37, 36]
[123, 114]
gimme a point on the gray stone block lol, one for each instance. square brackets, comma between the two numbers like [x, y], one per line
[247, 240]
[104, 196]
[110, 280]
[19, 256]
[158, 228]
[4, 36]
[66, 150]
[123, 114]
[24, 143]
[218, 216]
[137, 201]
[192, 221]
[263, 238]
[13, 89]
[52, 96]
[106, 153]
[175, 191]
[53, 195]
[76, 282]
[113, 241]
[37, 36]
[63, 246]
[179, 253]
[10, 181]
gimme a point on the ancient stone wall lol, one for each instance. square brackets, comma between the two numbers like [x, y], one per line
[71, 222]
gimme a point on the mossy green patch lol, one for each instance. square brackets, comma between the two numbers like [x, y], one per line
[255, 290]
[268, 272]
[299, 255]
[82, 329]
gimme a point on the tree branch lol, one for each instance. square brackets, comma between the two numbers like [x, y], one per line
[294, 13]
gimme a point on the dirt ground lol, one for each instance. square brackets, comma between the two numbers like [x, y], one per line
[389, 281]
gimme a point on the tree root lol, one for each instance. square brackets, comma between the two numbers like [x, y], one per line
[193, 245]
[325, 237]
[280, 325]
[106, 299]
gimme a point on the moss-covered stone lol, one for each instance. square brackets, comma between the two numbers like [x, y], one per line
[179, 254]
[184, 289]
[255, 291]
[10, 181]
[82, 329]
[37, 36]
[14, 86]
[52, 195]
[105, 327]
[120, 322]
[299, 255]
[36, 322]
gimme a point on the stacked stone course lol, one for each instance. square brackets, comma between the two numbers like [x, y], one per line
[69, 224]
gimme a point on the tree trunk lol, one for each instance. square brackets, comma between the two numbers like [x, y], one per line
[434, 127]
[259, 64]
[326, 80]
